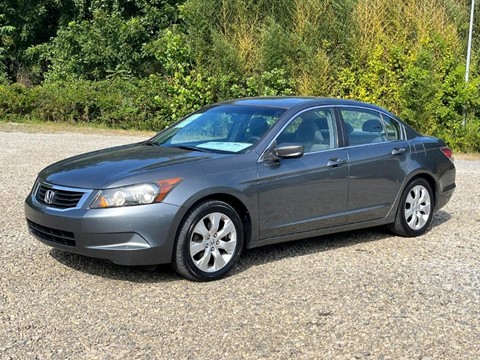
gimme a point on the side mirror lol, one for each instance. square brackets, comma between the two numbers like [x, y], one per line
[289, 151]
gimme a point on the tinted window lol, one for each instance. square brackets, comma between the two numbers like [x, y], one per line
[363, 126]
[392, 128]
[314, 129]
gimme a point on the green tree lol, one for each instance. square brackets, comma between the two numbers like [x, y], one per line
[29, 23]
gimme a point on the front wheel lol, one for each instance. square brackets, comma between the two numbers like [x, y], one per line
[209, 242]
[415, 210]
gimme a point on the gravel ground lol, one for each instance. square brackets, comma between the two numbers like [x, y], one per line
[364, 294]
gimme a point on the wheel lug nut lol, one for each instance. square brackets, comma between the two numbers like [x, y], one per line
[213, 249]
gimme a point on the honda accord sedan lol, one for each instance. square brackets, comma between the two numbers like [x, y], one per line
[242, 174]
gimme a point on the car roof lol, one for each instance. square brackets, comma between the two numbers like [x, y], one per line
[289, 102]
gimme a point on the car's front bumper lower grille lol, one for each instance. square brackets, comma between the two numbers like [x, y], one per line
[61, 237]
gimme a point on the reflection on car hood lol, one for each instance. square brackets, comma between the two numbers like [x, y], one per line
[98, 169]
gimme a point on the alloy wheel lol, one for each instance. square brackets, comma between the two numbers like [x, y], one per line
[418, 206]
[213, 242]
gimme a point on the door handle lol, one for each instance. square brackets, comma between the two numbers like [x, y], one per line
[335, 162]
[398, 151]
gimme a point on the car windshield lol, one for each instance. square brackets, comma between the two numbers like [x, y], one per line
[224, 128]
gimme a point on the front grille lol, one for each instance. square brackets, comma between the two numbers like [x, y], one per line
[62, 199]
[53, 235]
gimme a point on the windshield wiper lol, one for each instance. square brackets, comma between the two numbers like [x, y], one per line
[188, 147]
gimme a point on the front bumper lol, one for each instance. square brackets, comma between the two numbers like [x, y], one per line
[135, 235]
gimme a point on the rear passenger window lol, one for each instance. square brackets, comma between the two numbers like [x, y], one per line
[392, 128]
[363, 126]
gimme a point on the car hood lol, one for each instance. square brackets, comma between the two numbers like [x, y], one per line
[99, 169]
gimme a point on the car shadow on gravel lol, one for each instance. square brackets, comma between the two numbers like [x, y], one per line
[440, 217]
[276, 252]
[313, 245]
[249, 258]
[107, 269]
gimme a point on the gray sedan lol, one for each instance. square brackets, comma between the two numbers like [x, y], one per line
[242, 174]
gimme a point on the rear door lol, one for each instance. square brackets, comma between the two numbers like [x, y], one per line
[377, 154]
[307, 193]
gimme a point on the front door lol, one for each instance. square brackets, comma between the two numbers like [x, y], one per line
[307, 193]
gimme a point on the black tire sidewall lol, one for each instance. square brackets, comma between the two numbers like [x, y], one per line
[183, 241]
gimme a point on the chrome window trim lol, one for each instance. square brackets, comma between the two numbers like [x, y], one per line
[339, 107]
[371, 144]
[81, 202]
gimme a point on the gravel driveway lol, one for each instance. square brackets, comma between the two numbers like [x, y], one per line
[364, 294]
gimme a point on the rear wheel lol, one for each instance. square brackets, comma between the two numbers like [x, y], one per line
[415, 210]
[209, 242]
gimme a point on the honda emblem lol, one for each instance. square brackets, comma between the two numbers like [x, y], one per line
[49, 195]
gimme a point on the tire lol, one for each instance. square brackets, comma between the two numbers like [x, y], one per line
[209, 242]
[415, 209]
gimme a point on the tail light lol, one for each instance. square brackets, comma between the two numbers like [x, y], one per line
[447, 152]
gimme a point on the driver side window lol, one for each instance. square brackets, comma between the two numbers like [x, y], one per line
[314, 129]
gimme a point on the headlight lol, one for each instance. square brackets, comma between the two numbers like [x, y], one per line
[135, 195]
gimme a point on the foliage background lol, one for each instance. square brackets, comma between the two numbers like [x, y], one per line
[145, 63]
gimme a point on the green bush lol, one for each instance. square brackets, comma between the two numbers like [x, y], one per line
[17, 101]
[147, 104]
